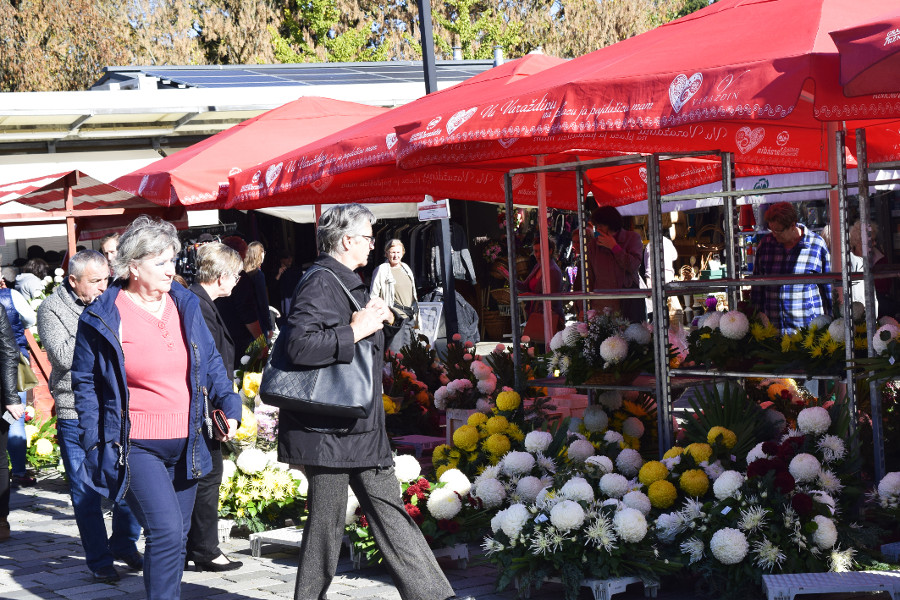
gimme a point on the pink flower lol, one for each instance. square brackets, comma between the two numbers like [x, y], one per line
[469, 345]
[399, 356]
[591, 314]
[766, 404]
[467, 356]
[456, 337]
[828, 404]
[582, 328]
[525, 339]
[500, 348]
[531, 352]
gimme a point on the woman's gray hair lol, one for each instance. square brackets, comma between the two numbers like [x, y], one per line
[215, 260]
[338, 221]
[80, 260]
[391, 243]
[144, 237]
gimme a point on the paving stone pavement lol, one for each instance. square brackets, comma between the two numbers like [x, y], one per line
[44, 560]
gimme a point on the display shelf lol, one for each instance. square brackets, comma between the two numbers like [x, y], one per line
[644, 382]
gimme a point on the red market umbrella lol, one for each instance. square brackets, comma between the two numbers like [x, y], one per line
[756, 78]
[197, 176]
[359, 162]
[870, 55]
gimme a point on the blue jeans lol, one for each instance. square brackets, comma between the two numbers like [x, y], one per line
[162, 498]
[98, 550]
[16, 444]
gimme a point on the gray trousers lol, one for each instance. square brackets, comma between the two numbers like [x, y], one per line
[407, 556]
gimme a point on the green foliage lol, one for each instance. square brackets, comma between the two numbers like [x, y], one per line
[732, 410]
[476, 28]
[316, 31]
[37, 454]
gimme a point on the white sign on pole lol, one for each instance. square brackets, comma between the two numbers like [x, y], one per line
[430, 319]
[431, 209]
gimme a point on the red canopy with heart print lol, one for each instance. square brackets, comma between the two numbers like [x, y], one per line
[758, 78]
[196, 176]
[359, 162]
[870, 55]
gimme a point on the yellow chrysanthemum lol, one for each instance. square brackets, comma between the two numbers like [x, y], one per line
[466, 438]
[30, 433]
[728, 437]
[476, 419]
[662, 494]
[389, 406]
[440, 452]
[859, 342]
[454, 454]
[508, 400]
[248, 424]
[815, 351]
[699, 451]
[496, 424]
[774, 391]
[442, 469]
[497, 445]
[43, 447]
[630, 442]
[515, 433]
[786, 343]
[810, 340]
[705, 336]
[832, 346]
[250, 385]
[694, 482]
[673, 452]
[652, 470]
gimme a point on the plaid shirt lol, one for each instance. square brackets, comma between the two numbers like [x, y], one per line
[790, 307]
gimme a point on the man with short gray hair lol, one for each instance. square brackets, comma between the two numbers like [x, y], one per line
[57, 322]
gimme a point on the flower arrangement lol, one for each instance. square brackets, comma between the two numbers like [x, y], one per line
[253, 360]
[624, 420]
[41, 446]
[422, 360]
[817, 349]
[470, 382]
[722, 339]
[605, 343]
[492, 251]
[407, 401]
[50, 283]
[259, 492]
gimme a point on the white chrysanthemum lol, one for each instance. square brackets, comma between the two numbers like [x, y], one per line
[567, 515]
[571, 333]
[352, 505]
[456, 480]
[883, 337]
[300, 477]
[547, 498]
[791, 433]
[629, 462]
[813, 420]
[633, 427]
[228, 469]
[841, 561]
[768, 555]
[545, 463]
[558, 340]
[497, 520]
[694, 548]
[669, 525]
[251, 461]
[858, 311]
[614, 349]
[491, 492]
[753, 518]
[444, 503]
[564, 363]
[825, 535]
[483, 405]
[711, 319]
[729, 546]
[537, 441]
[756, 453]
[579, 450]
[889, 485]
[829, 482]
[407, 468]
[514, 518]
[728, 485]
[637, 333]
[517, 463]
[826, 499]
[602, 463]
[671, 462]
[630, 524]
[713, 471]
[528, 488]
[489, 472]
[613, 437]
[804, 467]
[487, 386]
[820, 322]
[734, 325]
[441, 396]
[611, 400]
[595, 418]
[637, 500]
[614, 485]
[836, 329]
[576, 489]
[481, 370]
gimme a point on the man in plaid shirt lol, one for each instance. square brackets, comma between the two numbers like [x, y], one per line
[790, 249]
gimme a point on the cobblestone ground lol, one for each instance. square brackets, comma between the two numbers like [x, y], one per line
[44, 560]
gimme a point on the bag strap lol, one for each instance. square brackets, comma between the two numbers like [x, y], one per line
[315, 268]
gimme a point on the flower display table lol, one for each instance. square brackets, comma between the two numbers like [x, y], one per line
[604, 589]
[286, 536]
[785, 587]
[225, 526]
[456, 418]
[457, 552]
[419, 443]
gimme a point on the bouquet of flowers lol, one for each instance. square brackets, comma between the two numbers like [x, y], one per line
[469, 382]
[619, 421]
[884, 365]
[817, 349]
[422, 360]
[605, 343]
[407, 402]
[50, 284]
[724, 340]
[259, 492]
[492, 251]
[41, 446]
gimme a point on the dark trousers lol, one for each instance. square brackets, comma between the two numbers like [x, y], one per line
[203, 539]
[162, 498]
[4, 469]
[407, 556]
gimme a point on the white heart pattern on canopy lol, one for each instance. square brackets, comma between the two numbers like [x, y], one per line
[459, 118]
[747, 139]
[683, 89]
[272, 174]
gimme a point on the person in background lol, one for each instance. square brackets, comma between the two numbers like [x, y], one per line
[790, 248]
[218, 270]
[258, 300]
[109, 248]
[323, 328]
[533, 283]
[9, 366]
[394, 283]
[240, 318]
[613, 261]
[30, 282]
[58, 324]
[145, 372]
[884, 303]
[287, 278]
[670, 255]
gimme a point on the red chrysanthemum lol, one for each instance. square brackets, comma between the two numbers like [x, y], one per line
[415, 513]
[758, 467]
[770, 448]
[785, 482]
[363, 521]
[802, 503]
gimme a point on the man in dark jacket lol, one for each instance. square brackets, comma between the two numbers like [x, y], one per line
[322, 329]
[9, 365]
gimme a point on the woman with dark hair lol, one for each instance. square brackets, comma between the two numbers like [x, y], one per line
[613, 261]
[30, 282]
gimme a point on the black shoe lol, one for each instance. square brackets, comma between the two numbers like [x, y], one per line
[135, 561]
[106, 575]
[208, 565]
